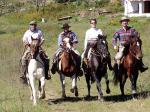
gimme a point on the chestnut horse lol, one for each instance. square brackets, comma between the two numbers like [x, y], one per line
[68, 66]
[97, 66]
[130, 65]
[36, 71]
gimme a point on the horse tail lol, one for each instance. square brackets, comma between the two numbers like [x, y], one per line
[116, 74]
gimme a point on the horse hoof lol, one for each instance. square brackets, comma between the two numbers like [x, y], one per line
[76, 94]
[100, 98]
[72, 90]
[42, 97]
[87, 97]
[108, 91]
[64, 96]
[134, 96]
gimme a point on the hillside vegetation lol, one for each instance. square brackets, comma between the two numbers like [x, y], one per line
[14, 96]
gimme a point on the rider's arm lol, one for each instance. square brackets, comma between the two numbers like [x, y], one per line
[41, 38]
[25, 39]
[86, 39]
[75, 39]
[114, 41]
[60, 43]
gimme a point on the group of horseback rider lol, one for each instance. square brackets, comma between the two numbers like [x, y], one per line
[91, 36]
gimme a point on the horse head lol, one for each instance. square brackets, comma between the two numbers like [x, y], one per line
[67, 44]
[34, 47]
[102, 46]
[135, 47]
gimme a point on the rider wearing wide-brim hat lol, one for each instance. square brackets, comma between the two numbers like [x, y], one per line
[36, 33]
[124, 18]
[121, 37]
[74, 41]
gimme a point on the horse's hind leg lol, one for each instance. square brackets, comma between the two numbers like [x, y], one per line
[33, 89]
[62, 79]
[87, 77]
[42, 88]
[98, 85]
[74, 88]
[107, 83]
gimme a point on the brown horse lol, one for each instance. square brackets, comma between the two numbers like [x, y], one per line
[68, 66]
[130, 65]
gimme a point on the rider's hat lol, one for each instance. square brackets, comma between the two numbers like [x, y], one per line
[65, 25]
[124, 19]
[33, 22]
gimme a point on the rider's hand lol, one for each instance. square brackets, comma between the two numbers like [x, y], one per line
[116, 48]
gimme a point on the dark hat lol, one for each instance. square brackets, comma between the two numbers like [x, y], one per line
[33, 22]
[124, 19]
[65, 25]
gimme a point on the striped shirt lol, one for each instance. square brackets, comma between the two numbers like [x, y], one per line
[123, 36]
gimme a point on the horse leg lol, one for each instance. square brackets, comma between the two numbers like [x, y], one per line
[133, 79]
[107, 83]
[62, 79]
[98, 84]
[42, 86]
[74, 85]
[31, 78]
[123, 79]
[87, 77]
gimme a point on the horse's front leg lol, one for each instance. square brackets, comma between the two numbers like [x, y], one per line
[42, 88]
[74, 85]
[133, 79]
[31, 80]
[62, 79]
[98, 84]
[123, 79]
[107, 83]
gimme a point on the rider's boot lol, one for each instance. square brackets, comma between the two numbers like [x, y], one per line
[54, 66]
[45, 60]
[23, 74]
[142, 66]
[47, 74]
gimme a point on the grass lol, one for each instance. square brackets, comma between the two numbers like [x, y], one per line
[14, 97]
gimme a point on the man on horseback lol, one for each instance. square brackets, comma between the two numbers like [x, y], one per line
[122, 36]
[91, 37]
[33, 32]
[73, 38]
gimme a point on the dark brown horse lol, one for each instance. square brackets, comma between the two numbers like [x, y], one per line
[130, 65]
[68, 66]
[97, 66]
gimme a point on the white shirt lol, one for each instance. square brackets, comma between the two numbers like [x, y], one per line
[92, 34]
[37, 34]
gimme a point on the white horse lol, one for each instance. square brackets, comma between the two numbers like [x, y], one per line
[36, 71]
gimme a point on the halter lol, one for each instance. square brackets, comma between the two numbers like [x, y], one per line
[131, 52]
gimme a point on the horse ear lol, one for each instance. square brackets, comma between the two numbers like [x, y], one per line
[32, 38]
[138, 35]
[105, 36]
[100, 36]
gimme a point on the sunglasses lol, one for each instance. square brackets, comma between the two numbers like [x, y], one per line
[93, 22]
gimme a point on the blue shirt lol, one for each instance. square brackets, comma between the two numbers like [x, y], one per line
[70, 34]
